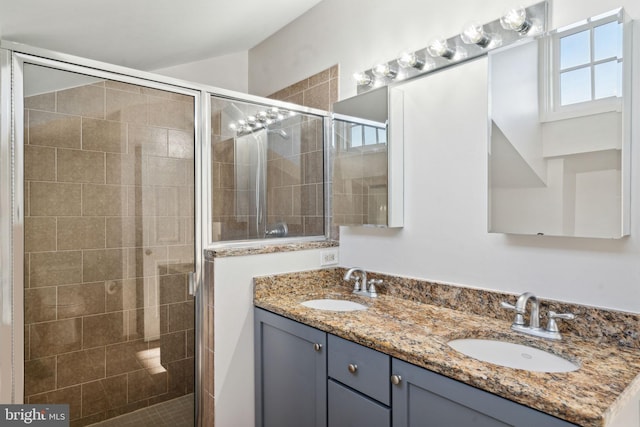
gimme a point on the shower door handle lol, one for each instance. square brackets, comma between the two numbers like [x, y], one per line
[191, 277]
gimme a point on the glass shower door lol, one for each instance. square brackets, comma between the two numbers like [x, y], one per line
[108, 242]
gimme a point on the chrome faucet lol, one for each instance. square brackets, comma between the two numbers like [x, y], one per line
[366, 288]
[521, 307]
[550, 332]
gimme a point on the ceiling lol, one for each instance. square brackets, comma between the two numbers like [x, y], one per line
[146, 34]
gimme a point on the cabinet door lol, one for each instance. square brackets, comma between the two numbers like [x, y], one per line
[348, 408]
[424, 398]
[290, 373]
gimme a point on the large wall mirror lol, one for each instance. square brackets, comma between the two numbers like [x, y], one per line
[560, 131]
[368, 164]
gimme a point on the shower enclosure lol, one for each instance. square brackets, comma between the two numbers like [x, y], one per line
[113, 181]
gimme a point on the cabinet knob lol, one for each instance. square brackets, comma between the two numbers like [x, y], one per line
[352, 368]
[317, 347]
[395, 379]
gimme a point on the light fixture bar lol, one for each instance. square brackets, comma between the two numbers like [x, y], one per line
[474, 41]
[261, 120]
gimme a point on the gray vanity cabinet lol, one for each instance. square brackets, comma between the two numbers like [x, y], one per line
[290, 373]
[425, 399]
[307, 378]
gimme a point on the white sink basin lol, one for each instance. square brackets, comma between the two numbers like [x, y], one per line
[334, 305]
[512, 355]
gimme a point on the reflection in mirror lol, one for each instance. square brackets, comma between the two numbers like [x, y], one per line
[367, 159]
[560, 132]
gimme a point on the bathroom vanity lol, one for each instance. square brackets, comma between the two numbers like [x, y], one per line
[390, 364]
[297, 366]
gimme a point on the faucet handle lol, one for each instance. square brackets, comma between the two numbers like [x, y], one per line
[519, 319]
[372, 287]
[508, 306]
[552, 325]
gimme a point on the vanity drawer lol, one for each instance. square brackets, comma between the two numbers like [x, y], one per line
[361, 368]
[348, 408]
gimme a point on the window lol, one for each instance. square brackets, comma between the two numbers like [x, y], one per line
[586, 68]
[364, 135]
[355, 134]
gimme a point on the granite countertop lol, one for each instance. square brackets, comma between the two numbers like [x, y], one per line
[268, 247]
[418, 333]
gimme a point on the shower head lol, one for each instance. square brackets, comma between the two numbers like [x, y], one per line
[280, 132]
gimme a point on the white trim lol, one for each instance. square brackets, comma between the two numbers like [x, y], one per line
[550, 107]
[12, 291]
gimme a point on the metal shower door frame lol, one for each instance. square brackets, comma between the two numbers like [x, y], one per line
[12, 60]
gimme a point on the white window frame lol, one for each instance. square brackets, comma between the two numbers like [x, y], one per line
[551, 110]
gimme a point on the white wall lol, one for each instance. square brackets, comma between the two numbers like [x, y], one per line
[226, 72]
[445, 235]
[233, 318]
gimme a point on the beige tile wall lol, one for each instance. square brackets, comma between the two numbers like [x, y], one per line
[319, 91]
[108, 239]
[359, 186]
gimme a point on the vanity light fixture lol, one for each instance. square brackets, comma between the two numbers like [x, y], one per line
[410, 60]
[260, 120]
[363, 79]
[475, 40]
[474, 33]
[516, 19]
[383, 69]
[440, 47]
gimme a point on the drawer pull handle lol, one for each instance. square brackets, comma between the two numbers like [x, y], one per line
[396, 379]
[317, 347]
[352, 368]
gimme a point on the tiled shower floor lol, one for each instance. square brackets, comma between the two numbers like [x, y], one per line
[174, 413]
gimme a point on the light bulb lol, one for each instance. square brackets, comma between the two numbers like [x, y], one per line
[516, 19]
[440, 47]
[383, 69]
[363, 79]
[233, 126]
[241, 123]
[251, 119]
[410, 60]
[474, 34]
[273, 112]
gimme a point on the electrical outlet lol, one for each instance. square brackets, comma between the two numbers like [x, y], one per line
[329, 257]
